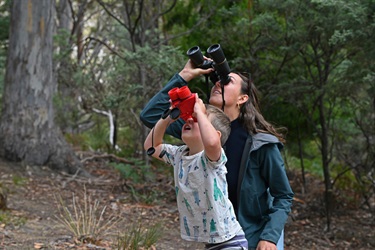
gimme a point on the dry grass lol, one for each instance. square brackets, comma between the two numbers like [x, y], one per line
[85, 221]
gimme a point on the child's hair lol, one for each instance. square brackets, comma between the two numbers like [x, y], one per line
[220, 121]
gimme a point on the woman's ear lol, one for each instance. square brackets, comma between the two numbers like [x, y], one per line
[242, 99]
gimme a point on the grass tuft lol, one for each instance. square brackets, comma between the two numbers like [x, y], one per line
[85, 221]
[137, 236]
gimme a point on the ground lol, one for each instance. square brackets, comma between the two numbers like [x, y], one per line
[33, 205]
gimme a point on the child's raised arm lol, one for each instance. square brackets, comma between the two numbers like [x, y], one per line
[155, 137]
[210, 136]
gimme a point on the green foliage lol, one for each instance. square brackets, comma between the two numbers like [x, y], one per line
[68, 117]
[6, 217]
[60, 40]
[138, 172]
[312, 160]
[138, 236]
[3, 196]
[4, 21]
[19, 181]
[97, 138]
[142, 180]
[4, 36]
[211, 22]
[9, 219]
[126, 141]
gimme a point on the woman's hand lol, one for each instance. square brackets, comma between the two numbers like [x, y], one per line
[189, 72]
[266, 245]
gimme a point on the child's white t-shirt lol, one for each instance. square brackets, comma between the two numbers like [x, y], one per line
[206, 213]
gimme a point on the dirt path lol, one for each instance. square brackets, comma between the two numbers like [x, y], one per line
[33, 209]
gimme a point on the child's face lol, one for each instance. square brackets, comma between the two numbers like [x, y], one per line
[190, 133]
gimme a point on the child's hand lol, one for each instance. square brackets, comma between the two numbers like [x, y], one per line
[199, 107]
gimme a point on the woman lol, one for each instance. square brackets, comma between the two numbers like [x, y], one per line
[258, 186]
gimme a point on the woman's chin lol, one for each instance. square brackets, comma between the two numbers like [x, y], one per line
[216, 101]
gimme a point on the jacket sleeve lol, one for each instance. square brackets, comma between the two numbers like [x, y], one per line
[274, 174]
[160, 103]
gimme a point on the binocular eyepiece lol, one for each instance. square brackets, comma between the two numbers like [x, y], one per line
[219, 63]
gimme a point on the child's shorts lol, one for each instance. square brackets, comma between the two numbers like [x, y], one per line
[238, 242]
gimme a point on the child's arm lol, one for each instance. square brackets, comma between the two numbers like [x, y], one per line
[155, 137]
[210, 136]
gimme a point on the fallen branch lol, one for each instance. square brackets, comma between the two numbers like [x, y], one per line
[107, 156]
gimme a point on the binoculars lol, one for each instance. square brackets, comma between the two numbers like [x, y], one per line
[220, 64]
[182, 102]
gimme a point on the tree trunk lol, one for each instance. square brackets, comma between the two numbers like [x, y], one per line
[300, 152]
[27, 130]
[325, 162]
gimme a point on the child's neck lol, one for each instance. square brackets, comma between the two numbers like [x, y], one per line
[195, 148]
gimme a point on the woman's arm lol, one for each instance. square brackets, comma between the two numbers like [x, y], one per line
[273, 171]
[160, 103]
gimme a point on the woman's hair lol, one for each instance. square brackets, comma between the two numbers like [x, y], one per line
[220, 121]
[250, 115]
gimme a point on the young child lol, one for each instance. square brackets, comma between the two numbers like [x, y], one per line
[206, 213]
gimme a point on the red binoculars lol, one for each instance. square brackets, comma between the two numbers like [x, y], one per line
[183, 102]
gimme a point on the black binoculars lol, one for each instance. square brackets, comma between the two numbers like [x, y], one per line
[219, 63]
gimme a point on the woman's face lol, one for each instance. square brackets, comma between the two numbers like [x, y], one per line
[232, 93]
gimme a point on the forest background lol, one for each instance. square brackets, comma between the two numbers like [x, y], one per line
[75, 75]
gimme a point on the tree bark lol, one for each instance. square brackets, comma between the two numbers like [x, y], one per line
[27, 130]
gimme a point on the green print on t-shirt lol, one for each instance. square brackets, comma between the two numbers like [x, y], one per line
[218, 194]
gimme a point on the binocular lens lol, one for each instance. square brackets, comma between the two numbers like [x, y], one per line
[216, 53]
[173, 93]
[192, 50]
[195, 55]
[184, 92]
[219, 62]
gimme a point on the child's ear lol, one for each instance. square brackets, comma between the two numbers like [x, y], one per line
[219, 133]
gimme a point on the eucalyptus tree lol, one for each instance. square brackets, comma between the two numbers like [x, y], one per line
[28, 132]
